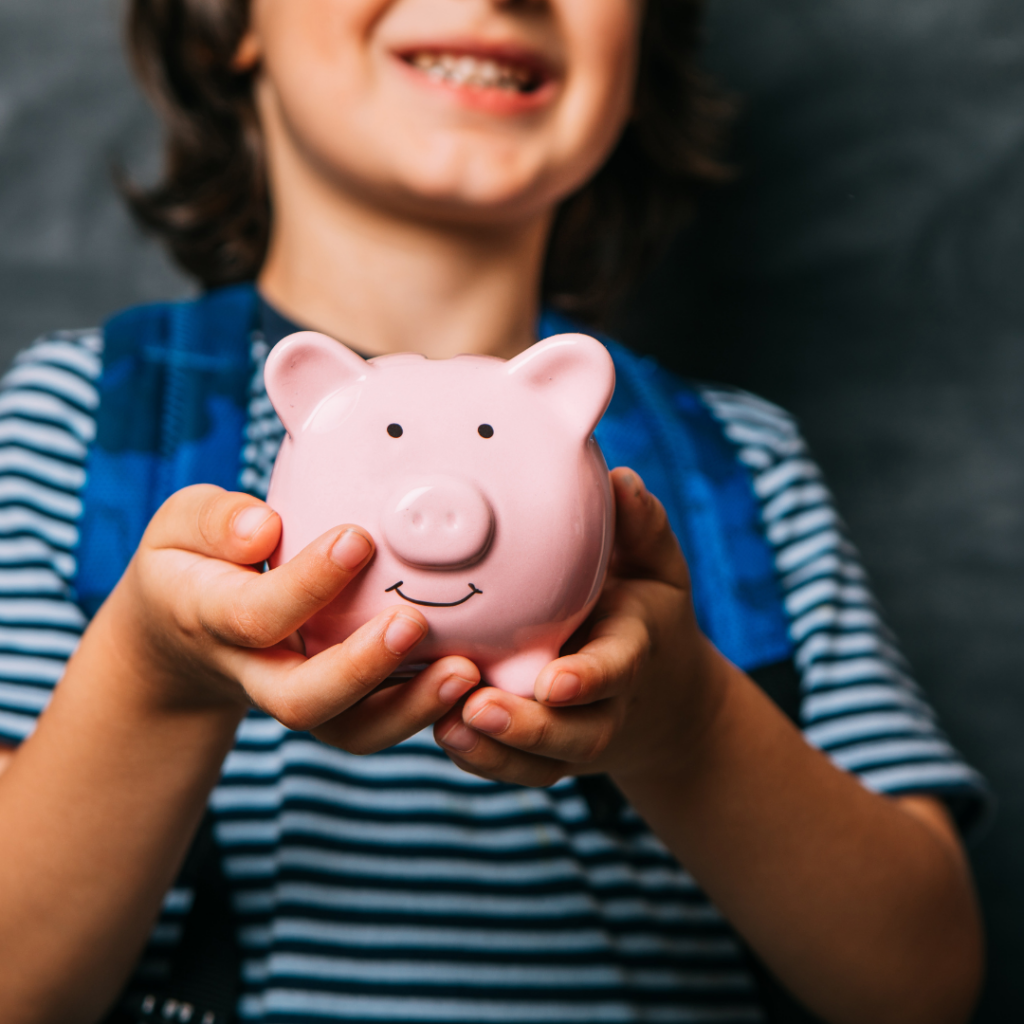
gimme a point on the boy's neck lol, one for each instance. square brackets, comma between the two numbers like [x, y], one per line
[383, 282]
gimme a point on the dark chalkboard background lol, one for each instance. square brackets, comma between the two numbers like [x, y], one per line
[866, 271]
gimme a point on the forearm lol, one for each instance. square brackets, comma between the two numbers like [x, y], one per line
[96, 812]
[864, 911]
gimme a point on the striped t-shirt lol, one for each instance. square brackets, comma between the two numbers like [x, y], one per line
[396, 888]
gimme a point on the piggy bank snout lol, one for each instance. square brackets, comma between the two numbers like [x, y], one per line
[439, 522]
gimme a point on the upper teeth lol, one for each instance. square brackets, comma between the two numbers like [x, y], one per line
[480, 73]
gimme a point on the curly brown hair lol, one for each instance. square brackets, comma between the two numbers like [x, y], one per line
[212, 206]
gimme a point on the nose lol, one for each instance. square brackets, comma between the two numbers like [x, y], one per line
[440, 523]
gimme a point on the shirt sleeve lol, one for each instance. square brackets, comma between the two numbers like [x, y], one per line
[48, 403]
[858, 701]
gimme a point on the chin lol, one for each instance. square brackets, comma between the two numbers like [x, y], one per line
[500, 185]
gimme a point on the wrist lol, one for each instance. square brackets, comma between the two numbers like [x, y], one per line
[690, 726]
[122, 657]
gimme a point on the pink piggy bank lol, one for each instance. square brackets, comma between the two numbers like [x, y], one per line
[478, 479]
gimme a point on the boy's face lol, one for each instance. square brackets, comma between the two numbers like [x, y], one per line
[470, 110]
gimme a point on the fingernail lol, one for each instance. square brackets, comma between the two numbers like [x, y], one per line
[350, 550]
[634, 483]
[248, 522]
[491, 719]
[403, 634]
[566, 686]
[458, 737]
[453, 688]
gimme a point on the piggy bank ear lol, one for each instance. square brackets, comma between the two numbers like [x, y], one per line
[303, 369]
[573, 373]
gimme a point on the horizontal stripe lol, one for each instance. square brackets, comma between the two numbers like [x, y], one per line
[922, 777]
[833, 591]
[19, 697]
[42, 612]
[546, 941]
[78, 352]
[741, 406]
[31, 669]
[451, 870]
[401, 833]
[860, 727]
[439, 903]
[55, 380]
[178, 900]
[56, 472]
[853, 670]
[788, 558]
[845, 644]
[357, 794]
[46, 499]
[858, 698]
[49, 408]
[58, 531]
[754, 434]
[837, 564]
[324, 1005]
[26, 550]
[835, 617]
[755, 458]
[482, 975]
[46, 642]
[787, 473]
[17, 727]
[41, 438]
[800, 524]
[32, 581]
[868, 755]
[794, 499]
[392, 767]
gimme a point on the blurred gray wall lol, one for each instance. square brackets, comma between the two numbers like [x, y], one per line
[68, 252]
[866, 270]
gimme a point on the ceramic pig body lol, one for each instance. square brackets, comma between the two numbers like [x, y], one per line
[478, 479]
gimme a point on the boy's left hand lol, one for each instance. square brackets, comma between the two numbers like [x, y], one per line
[641, 688]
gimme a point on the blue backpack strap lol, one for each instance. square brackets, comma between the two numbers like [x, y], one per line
[172, 412]
[660, 426]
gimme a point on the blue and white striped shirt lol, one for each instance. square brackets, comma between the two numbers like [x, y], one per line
[396, 888]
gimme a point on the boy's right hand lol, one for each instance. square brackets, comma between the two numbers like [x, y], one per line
[195, 625]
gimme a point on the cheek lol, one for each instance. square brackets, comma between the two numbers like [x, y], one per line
[315, 58]
[602, 42]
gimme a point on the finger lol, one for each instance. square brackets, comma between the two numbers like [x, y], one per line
[493, 760]
[217, 523]
[388, 716]
[576, 735]
[603, 667]
[260, 609]
[303, 693]
[645, 545]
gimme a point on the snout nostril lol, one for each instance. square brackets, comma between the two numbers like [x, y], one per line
[443, 523]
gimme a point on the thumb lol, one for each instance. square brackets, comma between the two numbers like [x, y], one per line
[645, 545]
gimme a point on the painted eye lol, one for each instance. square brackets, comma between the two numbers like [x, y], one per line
[485, 430]
[395, 429]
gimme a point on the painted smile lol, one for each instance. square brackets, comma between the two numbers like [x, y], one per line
[432, 604]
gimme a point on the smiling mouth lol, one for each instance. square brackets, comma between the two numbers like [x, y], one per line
[466, 71]
[432, 604]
